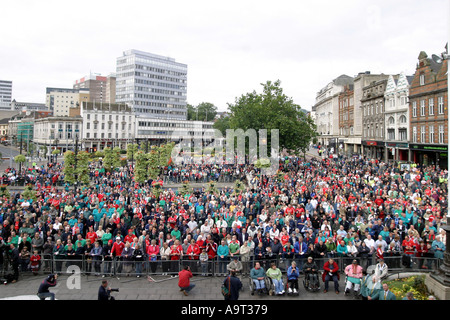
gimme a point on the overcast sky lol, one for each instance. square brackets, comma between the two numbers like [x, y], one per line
[230, 47]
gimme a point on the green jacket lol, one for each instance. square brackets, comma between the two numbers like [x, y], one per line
[380, 295]
[274, 273]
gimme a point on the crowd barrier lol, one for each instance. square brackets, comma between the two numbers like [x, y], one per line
[120, 266]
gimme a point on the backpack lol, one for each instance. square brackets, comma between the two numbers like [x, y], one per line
[226, 292]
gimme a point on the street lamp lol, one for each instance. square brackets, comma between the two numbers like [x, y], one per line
[76, 159]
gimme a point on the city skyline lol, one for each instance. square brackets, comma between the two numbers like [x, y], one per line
[229, 50]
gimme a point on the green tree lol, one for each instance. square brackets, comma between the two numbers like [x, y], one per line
[132, 148]
[272, 109]
[191, 112]
[140, 170]
[204, 111]
[76, 171]
[112, 158]
[222, 124]
[20, 158]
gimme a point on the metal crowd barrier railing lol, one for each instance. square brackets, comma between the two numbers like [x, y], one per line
[118, 266]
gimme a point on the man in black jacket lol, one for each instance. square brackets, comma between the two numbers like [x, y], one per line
[43, 291]
[104, 292]
[233, 284]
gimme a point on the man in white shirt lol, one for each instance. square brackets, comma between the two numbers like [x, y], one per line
[370, 243]
[192, 225]
[205, 229]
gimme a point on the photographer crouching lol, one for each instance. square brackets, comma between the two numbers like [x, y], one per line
[104, 292]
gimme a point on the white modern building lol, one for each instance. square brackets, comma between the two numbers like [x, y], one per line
[107, 125]
[154, 86]
[158, 131]
[397, 117]
[56, 132]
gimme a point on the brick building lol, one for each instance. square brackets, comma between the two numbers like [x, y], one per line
[428, 100]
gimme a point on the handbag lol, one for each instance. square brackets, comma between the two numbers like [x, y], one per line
[226, 292]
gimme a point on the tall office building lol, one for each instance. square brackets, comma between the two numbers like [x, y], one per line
[101, 88]
[5, 93]
[154, 86]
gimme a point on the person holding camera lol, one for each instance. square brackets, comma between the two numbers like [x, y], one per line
[104, 292]
[43, 291]
[184, 282]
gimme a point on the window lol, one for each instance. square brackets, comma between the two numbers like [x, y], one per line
[422, 79]
[422, 134]
[391, 134]
[414, 134]
[391, 120]
[88, 135]
[88, 125]
[402, 120]
[431, 106]
[414, 109]
[431, 130]
[402, 134]
[441, 134]
[422, 108]
[441, 105]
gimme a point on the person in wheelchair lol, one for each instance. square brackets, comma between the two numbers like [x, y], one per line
[292, 277]
[311, 271]
[354, 273]
[274, 274]
[257, 275]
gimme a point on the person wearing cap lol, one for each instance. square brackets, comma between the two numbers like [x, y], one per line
[354, 273]
[235, 265]
[43, 291]
[311, 270]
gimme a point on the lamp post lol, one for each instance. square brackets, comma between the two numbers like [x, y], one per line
[76, 159]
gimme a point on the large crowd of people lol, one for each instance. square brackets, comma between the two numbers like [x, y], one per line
[334, 207]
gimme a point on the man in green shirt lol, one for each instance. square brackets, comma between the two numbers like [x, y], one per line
[176, 233]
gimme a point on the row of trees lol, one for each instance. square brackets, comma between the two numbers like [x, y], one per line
[148, 164]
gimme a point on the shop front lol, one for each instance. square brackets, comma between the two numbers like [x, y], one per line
[427, 154]
[373, 149]
[397, 151]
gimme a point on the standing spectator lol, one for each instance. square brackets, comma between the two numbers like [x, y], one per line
[152, 253]
[138, 257]
[116, 254]
[14, 258]
[223, 252]
[384, 294]
[234, 285]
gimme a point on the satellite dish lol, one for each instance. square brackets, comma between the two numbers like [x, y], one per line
[436, 58]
